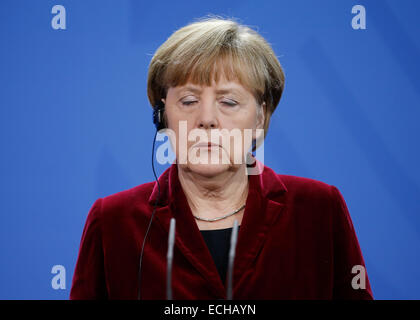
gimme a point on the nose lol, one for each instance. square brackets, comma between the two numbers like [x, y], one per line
[207, 118]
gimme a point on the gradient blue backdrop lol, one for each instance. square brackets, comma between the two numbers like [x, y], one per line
[76, 123]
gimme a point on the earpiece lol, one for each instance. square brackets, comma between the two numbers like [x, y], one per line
[158, 111]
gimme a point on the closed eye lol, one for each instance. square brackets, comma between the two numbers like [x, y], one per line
[230, 104]
[187, 103]
[227, 103]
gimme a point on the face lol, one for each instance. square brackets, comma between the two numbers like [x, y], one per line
[225, 115]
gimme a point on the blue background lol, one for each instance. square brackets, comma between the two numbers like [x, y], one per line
[76, 123]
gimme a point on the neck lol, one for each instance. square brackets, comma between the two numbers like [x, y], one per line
[211, 197]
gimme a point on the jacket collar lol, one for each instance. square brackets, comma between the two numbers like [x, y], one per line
[264, 205]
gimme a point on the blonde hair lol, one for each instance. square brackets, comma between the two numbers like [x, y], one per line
[203, 50]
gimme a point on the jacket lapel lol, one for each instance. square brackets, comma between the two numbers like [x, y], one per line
[262, 209]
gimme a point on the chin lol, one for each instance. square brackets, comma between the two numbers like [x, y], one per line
[208, 170]
[208, 166]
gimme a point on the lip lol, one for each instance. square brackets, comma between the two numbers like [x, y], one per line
[206, 145]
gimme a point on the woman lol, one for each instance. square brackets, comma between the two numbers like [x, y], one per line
[296, 239]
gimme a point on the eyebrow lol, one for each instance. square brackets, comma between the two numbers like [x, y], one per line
[196, 89]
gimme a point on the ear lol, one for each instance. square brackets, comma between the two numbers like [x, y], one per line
[163, 100]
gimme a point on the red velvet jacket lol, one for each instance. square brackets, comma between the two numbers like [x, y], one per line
[296, 241]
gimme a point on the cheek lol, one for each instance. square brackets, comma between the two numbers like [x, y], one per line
[241, 123]
[244, 119]
[179, 129]
[171, 119]
[175, 119]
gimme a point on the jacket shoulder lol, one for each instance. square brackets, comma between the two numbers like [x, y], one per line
[125, 201]
[297, 183]
[307, 190]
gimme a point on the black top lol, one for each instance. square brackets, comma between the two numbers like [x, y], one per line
[218, 242]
